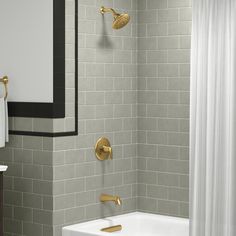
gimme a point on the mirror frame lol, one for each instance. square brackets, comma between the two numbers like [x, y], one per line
[57, 108]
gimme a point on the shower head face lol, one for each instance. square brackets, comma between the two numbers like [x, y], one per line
[120, 20]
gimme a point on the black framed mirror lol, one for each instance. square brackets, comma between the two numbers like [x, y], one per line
[53, 91]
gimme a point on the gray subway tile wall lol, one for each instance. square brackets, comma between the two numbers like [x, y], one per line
[28, 186]
[133, 89]
[163, 105]
[107, 107]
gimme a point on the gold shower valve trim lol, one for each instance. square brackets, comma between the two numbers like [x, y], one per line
[120, 20]
[103, 149]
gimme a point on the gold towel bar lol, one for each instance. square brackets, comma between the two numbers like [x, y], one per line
[5, 80]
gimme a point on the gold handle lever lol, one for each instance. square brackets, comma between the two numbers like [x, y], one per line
[103, 149]
[108, 150]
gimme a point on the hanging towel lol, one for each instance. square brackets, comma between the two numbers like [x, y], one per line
[4, 135]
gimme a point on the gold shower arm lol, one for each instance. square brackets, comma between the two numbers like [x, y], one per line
[104, 10]
[5, 80]
[120, 20]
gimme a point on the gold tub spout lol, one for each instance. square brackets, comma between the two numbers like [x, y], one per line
[112, 229]
[110, 198]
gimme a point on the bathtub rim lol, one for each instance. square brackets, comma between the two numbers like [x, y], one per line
[136, 213]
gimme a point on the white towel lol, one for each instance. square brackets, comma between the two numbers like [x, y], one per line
[4, 134]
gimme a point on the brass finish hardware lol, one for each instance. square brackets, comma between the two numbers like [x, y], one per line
[120, 20]
[112, 229]
[103, 149]
[110, 198]
[5, 80]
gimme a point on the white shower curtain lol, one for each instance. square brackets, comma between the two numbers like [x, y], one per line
[213, 119]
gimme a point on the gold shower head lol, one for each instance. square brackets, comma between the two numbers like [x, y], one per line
[120, 20]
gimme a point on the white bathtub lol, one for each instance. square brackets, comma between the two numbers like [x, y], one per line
[133, 224]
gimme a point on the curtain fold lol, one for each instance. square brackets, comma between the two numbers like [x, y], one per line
[213, 119]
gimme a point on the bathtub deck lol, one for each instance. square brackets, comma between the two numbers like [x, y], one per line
[134, 224]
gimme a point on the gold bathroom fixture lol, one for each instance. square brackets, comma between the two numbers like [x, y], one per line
[112, 229]
[120, 20]
[110, 198]
[5, 80]
[103, 149]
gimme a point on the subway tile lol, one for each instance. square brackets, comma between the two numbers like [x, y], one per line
[147, 204]
[155, 30]
[170, 207]
[64, 172]
[157, 110]
[167, 179]
[157, 4]
[14, 169]
[179, 3]
[30, 228]
[64, 201]
[17, 229]
[168, 125]
[147, 124]
[157, 192]
[147, 177]
[178, 194]
[85, 198]
[168, 70]
[156, 57]
[148, 43]
[123, 4]
[168, 42]
[181, 28]
[185, 42]
[157, 137]
[23, 156]
[31, 200]
[42, 187]
[185, 14]
[184, 209]
[113, 70]
[168, 97]
[23, 185]
[32, 171]
[178, 56]
[123, 165]
[157, 165]
[147, 150]
[42, 217]
[13, 198]
[6, 154]
[23, 214]
[147, 16]
[175, 166]
[178, 139]
[168, 152]
[74, 214]
[35, 143]
[168, 15]
[147, 70]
